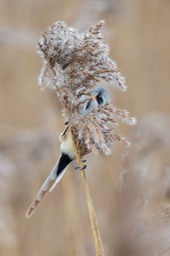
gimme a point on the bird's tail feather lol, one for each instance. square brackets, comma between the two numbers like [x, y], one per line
[49, 184]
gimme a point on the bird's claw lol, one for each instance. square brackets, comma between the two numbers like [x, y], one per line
[77, 167]
[81, 168]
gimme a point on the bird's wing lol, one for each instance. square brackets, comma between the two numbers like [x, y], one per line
[51, 181]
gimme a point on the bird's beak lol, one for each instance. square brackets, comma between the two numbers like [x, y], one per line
[93, 97]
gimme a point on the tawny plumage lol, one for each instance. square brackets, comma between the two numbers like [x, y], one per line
[99, 97]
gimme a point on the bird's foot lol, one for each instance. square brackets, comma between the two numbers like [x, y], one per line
[81, 168]
[77, 168]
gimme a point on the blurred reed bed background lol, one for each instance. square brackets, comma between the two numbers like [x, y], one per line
[131, 188]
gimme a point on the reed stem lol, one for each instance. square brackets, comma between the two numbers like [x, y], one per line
[93, 219]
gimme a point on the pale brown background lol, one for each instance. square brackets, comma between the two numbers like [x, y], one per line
[138, 32]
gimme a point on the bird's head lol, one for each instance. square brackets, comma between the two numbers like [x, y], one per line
[100, 95]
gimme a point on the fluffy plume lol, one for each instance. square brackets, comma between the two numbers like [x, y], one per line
[76, 60]
[73, 64]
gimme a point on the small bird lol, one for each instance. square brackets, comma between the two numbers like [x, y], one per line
[99, 97]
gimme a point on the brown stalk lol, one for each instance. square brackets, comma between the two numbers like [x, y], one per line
[93, 219]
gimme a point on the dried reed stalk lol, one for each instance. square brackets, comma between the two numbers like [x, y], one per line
[93, 219]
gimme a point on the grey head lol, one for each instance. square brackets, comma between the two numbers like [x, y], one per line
[98, 97]
[101, 95]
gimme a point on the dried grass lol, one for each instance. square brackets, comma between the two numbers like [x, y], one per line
[93, 219]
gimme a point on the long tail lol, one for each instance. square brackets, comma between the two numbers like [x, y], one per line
[51, 181]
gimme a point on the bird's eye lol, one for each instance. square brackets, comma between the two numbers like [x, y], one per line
[99, 98]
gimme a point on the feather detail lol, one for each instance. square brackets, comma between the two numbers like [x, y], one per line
[51, 181]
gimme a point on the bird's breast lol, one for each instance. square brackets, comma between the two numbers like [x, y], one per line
[67, 147]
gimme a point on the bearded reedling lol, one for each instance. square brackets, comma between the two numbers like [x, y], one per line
[99, 98]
